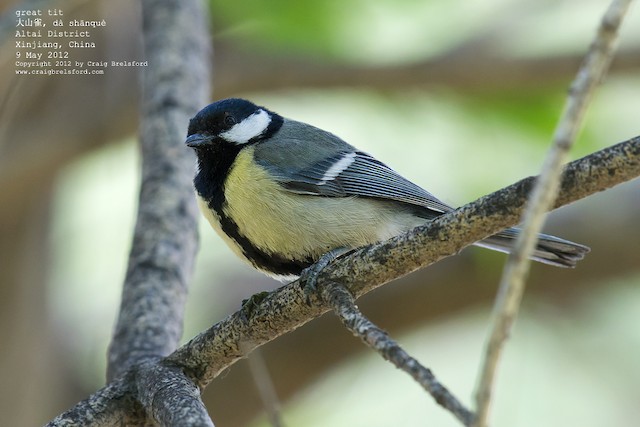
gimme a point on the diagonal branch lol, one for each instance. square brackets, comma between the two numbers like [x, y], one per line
[164, 391]
[285, 309]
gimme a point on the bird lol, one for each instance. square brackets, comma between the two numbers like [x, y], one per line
[285, 195]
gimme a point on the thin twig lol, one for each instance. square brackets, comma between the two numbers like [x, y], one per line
[545, 191]
[343, 304]
[266, 389]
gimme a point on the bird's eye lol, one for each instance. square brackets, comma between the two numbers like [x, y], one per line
[229, 120]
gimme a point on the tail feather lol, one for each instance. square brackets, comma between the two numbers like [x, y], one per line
[549, 250]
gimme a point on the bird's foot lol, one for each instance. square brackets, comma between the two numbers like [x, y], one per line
[309, 276]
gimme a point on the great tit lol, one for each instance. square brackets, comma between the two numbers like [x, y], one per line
[283, 193]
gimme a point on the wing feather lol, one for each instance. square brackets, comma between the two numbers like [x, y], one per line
[336, 169]
[365, 177]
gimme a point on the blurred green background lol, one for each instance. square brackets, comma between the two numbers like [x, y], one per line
[460, 97]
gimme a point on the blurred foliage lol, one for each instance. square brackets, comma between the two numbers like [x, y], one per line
[352, 30]
[534, 112]
[396, 31]
[304, 27]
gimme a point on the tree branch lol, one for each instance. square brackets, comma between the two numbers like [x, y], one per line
[109, 406]
[285, 309]
[165, 237]
[343, 305]
[143, 388]
[150, 388]
[512, 283]
[172, 398]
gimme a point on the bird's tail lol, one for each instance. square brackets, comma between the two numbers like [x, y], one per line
[549, 250]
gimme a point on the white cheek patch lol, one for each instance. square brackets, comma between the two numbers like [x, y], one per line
[249, 128]
[337, 168]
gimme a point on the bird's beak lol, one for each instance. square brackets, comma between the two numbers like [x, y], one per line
[198, 140]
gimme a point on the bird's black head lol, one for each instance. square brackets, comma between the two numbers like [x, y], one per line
[232, 121]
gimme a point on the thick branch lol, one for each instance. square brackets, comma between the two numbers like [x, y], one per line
[165, 241]
[172, 398]
[165, 237]
[109, 406]
[285, 309]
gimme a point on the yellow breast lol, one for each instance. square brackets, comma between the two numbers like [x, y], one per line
[297, 226]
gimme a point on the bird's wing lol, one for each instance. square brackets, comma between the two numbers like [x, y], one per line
[336, 169]
[355, 173]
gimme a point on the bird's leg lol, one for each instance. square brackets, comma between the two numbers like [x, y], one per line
[309, 276]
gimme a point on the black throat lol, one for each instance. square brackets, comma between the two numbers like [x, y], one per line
[214, 165]
[215, 161]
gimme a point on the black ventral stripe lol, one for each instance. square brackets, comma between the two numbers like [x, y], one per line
[272, 263]
[214, 165]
